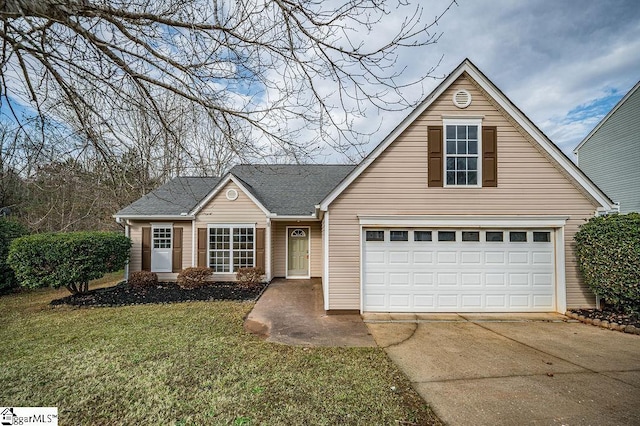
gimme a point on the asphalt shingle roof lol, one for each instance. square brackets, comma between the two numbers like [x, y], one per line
[179, 195]
[291, 189]
[282, 189]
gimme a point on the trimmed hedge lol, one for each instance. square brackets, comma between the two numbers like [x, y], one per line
[9, 231]
[608, 251]
[190, 278]
[68, 260]
[143, 279]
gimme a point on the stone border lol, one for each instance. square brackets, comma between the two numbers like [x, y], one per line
[630, 329]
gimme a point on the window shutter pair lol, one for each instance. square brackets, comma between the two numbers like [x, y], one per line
[176, 255]
[435, 152]
[259, 245]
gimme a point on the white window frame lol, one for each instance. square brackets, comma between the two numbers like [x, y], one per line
[461, 122]
[169, 226]
[230, 227]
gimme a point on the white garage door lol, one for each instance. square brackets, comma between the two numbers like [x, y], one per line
[458, 270]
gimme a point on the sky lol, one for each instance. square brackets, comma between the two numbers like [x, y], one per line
[564, 63]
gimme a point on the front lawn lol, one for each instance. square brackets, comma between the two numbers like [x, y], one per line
[187, 363]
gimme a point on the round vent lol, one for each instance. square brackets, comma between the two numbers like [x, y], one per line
[232, 194]
[462, 99]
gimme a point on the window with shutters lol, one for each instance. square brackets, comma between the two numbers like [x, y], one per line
[462, 148]
[231, 247]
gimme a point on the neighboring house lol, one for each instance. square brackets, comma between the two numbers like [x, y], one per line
[610, 154]
[465, 207]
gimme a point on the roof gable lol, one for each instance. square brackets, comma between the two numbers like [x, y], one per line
[482, 81]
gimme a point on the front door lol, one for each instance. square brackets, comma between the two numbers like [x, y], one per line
[298, 252]
[161, 248]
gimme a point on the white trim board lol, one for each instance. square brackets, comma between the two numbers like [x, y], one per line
[468, 67]
[464, 221]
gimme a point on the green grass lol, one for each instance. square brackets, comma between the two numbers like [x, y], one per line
[187, 364]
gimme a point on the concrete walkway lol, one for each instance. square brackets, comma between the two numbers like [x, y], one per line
[291, 312]
[515, 369]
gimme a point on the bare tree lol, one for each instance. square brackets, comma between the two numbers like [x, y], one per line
[283, 76]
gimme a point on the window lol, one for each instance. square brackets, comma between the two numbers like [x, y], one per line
[462, 144]
[231, 247]
[374, 236]
[162, 238]
[399, 236]
[446, 235]
[542, 237]
[470, 236]
[421, 235]
[518, 237]
[494, 236]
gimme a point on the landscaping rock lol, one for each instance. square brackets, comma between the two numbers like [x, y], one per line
[607, 318]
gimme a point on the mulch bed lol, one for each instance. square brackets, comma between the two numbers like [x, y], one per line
[607, 318]
[123, 294]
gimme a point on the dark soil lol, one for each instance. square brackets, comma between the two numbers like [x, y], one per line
[607, 314]
[123, 294]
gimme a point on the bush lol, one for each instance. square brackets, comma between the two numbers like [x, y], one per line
[249, 277]
[67, 259]
[194, 277]
[142, 279]
[9, 231]
[608, 252]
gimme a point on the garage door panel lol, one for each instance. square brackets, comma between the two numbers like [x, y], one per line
[421, 279]
[422, 258]
[518, 258]
[470, 257]
[459, 276]
[399, 257]
[447, 257]
[473, 279]
[494, 258]
[396, 279]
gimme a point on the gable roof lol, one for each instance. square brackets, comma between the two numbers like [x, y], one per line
[175, 198]
[472, 71]
[281, 190]
[606, 117]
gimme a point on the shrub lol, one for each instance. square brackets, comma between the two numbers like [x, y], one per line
[67, 259]
[9, 231]
[194, 277]
[142, 279]
[608, 251]
[249, 277]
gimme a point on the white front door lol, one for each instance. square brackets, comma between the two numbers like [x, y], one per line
[298, 252]
[458, 270]
[161, 248]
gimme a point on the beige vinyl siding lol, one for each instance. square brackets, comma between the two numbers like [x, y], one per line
[220, 210]
[396, 184]
[279, 243]
[135, 258]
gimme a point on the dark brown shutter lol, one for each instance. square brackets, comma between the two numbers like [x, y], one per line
[260, 248]
[202, 247]
[489, 156]
[434, 134]
[176, 260]
[146, 248]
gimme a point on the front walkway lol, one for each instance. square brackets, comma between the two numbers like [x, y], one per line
[291, 312]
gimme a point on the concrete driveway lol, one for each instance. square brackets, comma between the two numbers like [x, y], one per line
[490, 370]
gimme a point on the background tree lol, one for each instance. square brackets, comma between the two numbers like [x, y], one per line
[280, 77]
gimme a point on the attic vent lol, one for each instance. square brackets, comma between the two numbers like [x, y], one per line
[232, 194]
[462, 99]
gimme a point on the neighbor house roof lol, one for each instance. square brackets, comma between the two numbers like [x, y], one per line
[284, 190]
[175, 198]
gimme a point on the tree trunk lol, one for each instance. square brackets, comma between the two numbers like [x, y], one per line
[72, 288]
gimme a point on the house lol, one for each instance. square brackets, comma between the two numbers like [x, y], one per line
[610, 154]
[466, 206]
